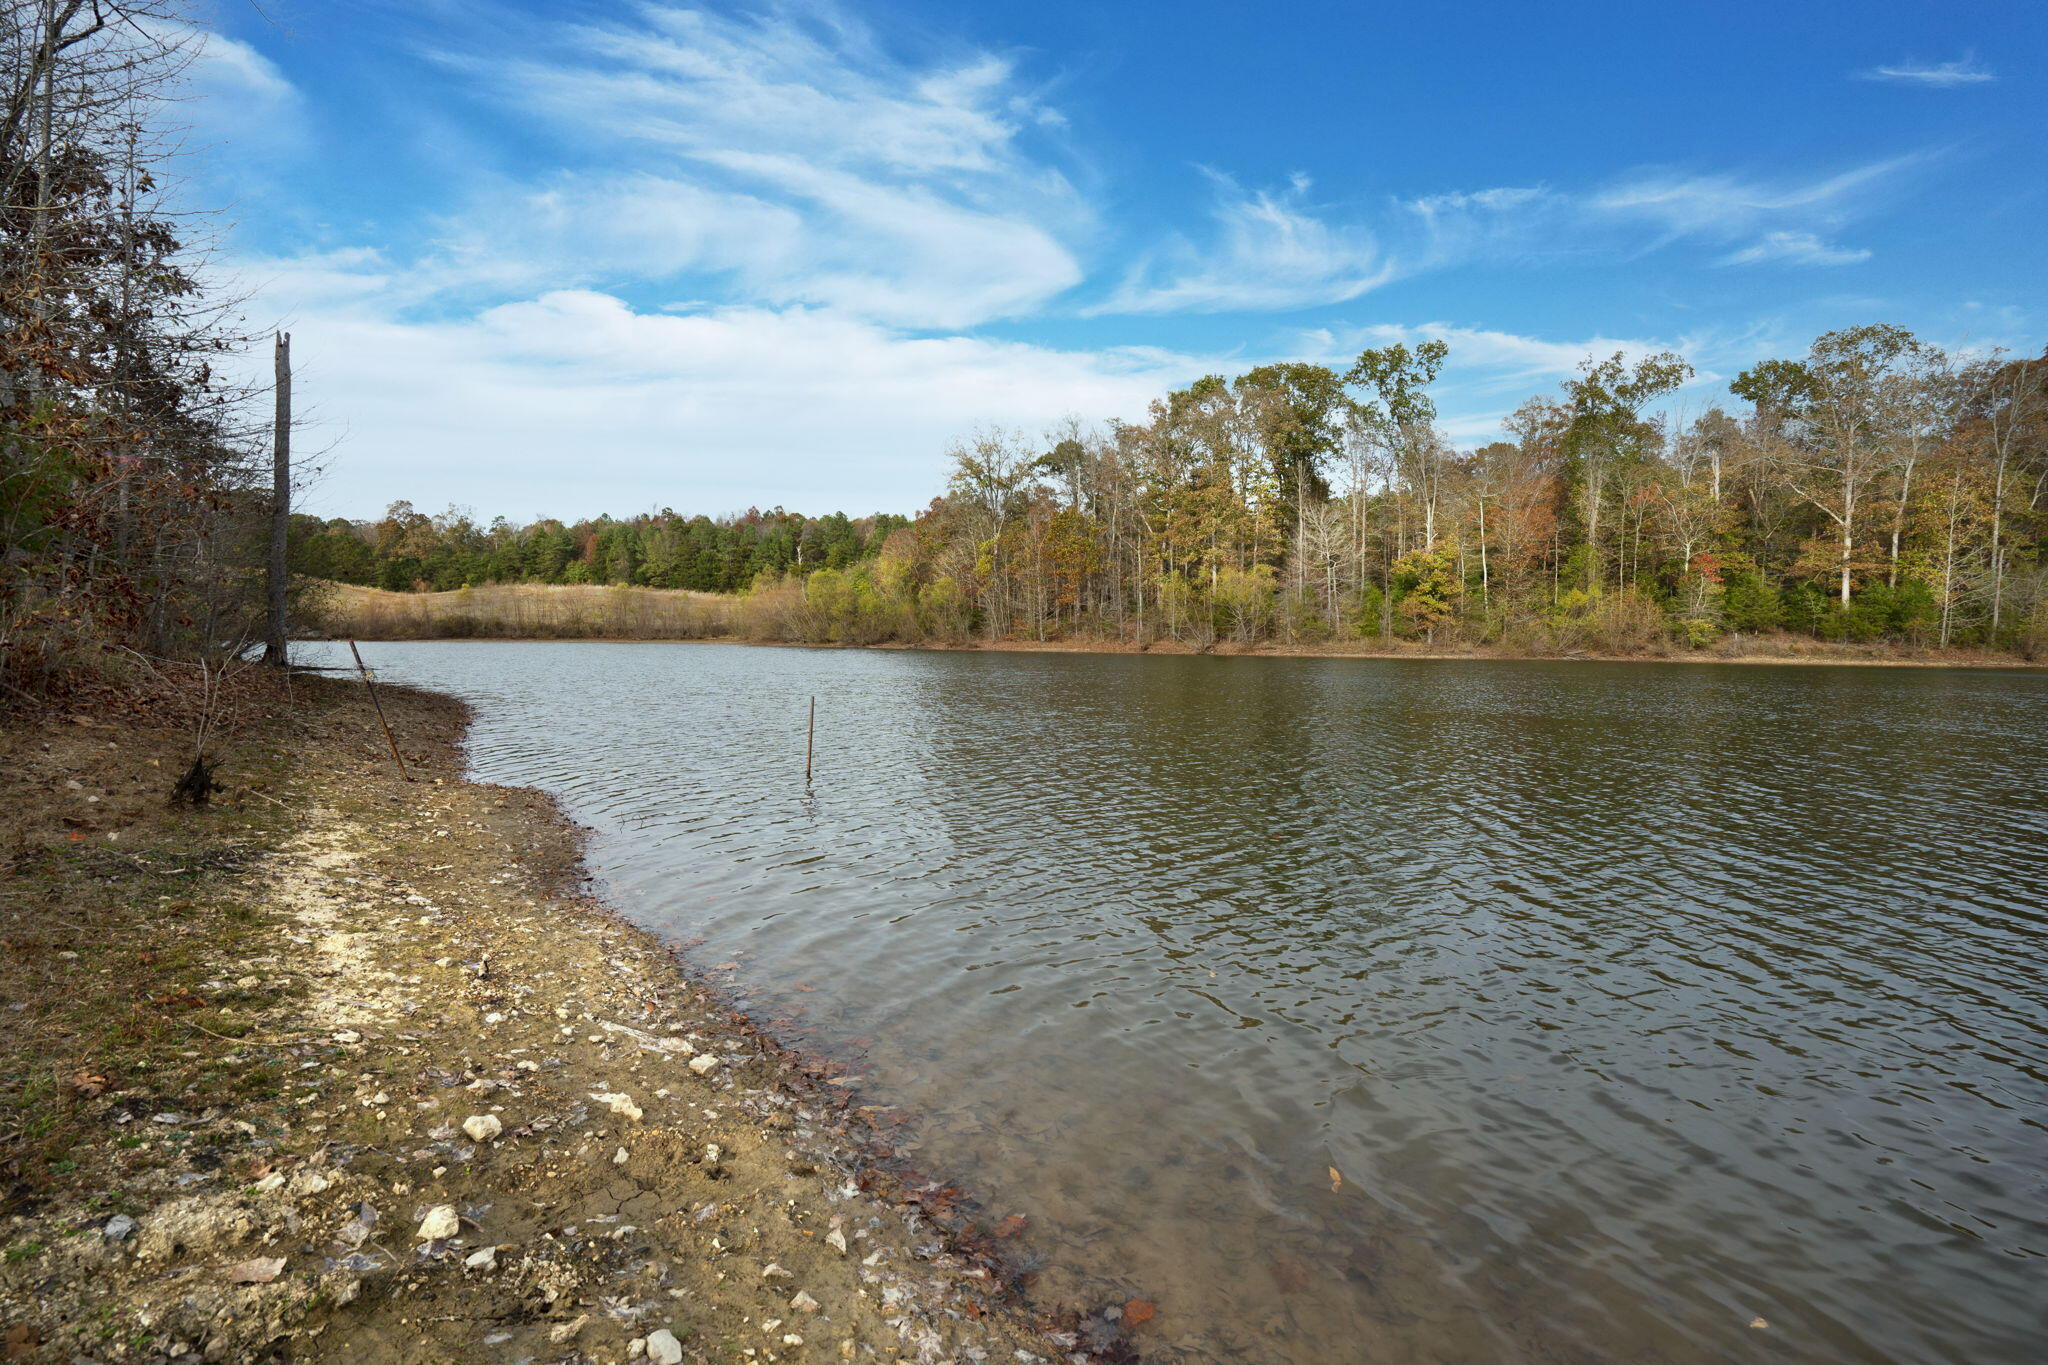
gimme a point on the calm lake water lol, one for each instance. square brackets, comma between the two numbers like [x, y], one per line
[1631, 1003]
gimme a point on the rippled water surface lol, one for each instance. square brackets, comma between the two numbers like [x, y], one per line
[1631, 1003]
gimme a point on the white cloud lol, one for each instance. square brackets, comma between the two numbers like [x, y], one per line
[225, 65]
[1270, 253]
[1941, 75]
[1726, 206]
[1795, 248]
[790, 154]
[573, 402]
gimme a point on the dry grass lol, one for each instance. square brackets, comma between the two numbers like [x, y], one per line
[525, 611]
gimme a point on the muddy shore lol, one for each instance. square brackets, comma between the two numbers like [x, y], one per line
[349, 1068]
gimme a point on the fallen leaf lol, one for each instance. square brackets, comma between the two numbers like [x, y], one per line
[1010, 1226]
[1139, 1310]
[256, 1270]
[88, 1084]
[1336, 1180]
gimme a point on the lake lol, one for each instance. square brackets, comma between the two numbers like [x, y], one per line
[1374, 1010]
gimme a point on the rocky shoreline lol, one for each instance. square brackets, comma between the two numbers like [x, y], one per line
[385, 1084]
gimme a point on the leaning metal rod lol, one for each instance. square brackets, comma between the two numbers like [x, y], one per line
[371, 683]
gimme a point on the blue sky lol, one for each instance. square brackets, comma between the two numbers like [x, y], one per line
[563, 258]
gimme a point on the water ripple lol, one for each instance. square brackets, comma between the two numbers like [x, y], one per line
[1633, 1003]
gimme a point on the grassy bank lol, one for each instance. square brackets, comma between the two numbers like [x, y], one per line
[342, 1068]
[784, 615]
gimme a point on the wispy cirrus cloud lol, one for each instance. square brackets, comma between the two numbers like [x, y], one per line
[791, 156]
[1270, 252]
[1794, 248]
[1941, 75]
[1276, 250]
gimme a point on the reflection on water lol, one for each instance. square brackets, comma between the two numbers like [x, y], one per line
[1631, 1004]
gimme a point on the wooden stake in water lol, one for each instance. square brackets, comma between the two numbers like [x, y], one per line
[810, 737]
[371, 683]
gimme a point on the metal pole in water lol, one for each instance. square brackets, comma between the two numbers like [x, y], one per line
[810, 737]
[371, 684]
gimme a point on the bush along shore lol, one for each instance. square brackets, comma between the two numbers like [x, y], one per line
[342, 1067]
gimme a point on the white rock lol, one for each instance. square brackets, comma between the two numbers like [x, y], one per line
[568, 1330]
[487, 1259]
[619, 1157]
[621, 1105]
[775, 1272]
[804, 1303]
[482, 1127]
[703, 1065]
[792, 1339]
[663, 1348]
[441, 1221]
[118, 1228]
[836, 1240]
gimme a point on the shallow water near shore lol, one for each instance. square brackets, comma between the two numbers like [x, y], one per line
[1371, 1010]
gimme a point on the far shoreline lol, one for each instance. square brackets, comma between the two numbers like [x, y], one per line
[1175, 649]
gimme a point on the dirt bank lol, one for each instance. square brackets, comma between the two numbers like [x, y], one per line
[345, 1068]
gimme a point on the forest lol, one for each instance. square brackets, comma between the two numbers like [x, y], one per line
[1875, 489]
[133, 488]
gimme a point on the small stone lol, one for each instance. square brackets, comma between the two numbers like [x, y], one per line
[836, 1240]
[568, 1330]
[441, 1221]
[256, 1270]
[487, 1259]
[703, 1065]
[775, 1272]
[118, 1228]
[663, 1348]
[619, 1157]
[804, 1303]
[348, 1036]
[621, 1105]
[792, 1339]
[482, 1127]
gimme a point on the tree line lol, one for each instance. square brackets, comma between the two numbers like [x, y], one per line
[1876, 488]
[131, 518]
[406, 550]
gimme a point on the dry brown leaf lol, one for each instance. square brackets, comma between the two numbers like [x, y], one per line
[1336, 1180]
[1139, 1310]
